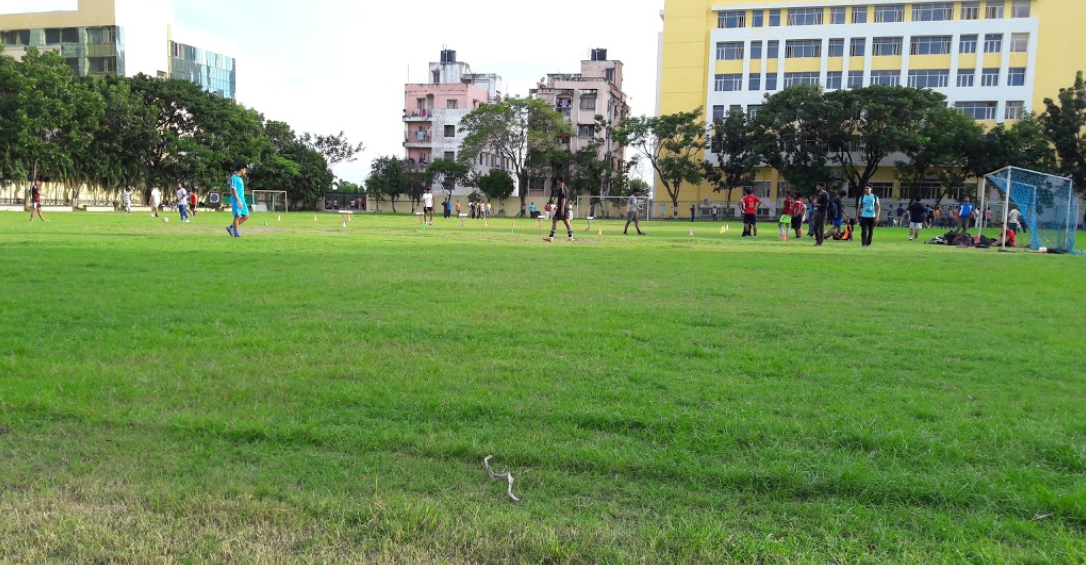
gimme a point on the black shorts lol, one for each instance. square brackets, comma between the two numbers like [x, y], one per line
[750, 219]
[429, 210]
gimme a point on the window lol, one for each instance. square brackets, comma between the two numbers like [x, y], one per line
[755, 82]
[56, 36]
[837, 48]
[732, 19]
[837, 15]
[451, 104]
[1020, 9]
[993, 43]
[757, 18]
[588, 103]
[771, 82]
[1019, 42]
[968, 44]
[834, 80]
[930, 45]
[450, 131]
[773, 49]
[970, 10]
[859, 14]
[1015, 110]
[450, 155]
[858, 47]
[730, 51]
[101, 35]
[761, 189]
[796, 79]
[802, 48]
[735, 108]
[855, 79]
[993, 10]
[933, 12]
[886, 78]
[729, 83]
[753, 109]
[978, 110]
[755, 50]
[102, 64]
[929, 79]
[884, 190]
[805, 16]
[990, 77]
[1016, 77]
[719, 113]
[17, 37]
[586, 131]
[966, 78]
[609, 75]
[774, 18]
[885, 46]
[889, 14]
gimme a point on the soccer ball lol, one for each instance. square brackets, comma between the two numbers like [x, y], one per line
[167, 220]
[1042, 250]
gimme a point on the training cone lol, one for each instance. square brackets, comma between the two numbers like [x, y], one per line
[722, 229]
[691, 233]
[512, 227]
[314, 218]
[280, 219]
[265, 223]
[601, 233]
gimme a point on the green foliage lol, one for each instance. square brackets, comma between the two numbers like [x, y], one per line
[388, 179]
[950, 147]
[671, 144]
[335, 149]
[291, 165]
[1064, 123]
[496, 185]
[790, 136]
[737, 163]
[447, 173]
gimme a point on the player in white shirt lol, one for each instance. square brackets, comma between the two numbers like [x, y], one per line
[128, 200]
[428, 206]
[156, 201]
[631, 214]
[182, 202]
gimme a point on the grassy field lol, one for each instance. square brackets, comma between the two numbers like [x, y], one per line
[315, 394]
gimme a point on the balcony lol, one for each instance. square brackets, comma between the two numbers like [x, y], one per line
[419, 116]
[418, 143]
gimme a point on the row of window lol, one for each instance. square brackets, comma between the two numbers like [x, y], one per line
[934, 78]
[931, 12]
[880, 46]
[58, 36]
[1014, 110]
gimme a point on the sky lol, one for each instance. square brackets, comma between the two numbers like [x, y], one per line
[330, 65]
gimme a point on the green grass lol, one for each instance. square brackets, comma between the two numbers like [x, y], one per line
[314, 394]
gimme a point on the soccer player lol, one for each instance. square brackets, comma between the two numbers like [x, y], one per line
[446, 207]
[182, 202]
[750, 204]
[693, 212]
[799, 210]
[631, 213]
[837, 213]
[192, 204]
[428, 206]
[918, 214]
[127, 199]
[1014, 219]
[785, 223]
[818, 216]
[457, 208]
[966, 212]
[156, 201]
[238, 205]
[561, 192]
[869, 211]
[35, 202]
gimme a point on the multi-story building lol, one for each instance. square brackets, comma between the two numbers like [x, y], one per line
[120, 38]
[994, 60]
[595, 92]
[433, 111]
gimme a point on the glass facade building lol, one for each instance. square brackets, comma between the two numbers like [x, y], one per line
[89, 51]
[216, 73]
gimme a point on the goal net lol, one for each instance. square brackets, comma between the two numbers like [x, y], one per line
[269, 201]
[1047, 203]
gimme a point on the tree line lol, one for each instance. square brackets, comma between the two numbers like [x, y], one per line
[110, 133]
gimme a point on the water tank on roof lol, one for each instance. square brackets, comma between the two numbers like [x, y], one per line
[448, 56]
[599, 54]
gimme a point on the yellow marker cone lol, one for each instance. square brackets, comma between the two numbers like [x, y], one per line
[601, 232]
[344, 224]
[314, 218]
[722, 229]
[691, 233]
[486, 223]
[280, 218]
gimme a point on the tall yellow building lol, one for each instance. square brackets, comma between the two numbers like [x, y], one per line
[994, 60]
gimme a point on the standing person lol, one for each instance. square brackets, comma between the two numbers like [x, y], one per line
[937, 214]
[1014, 220]
[35, 202]
[799, 210]
[837, 213]
[918, 214]
[693, 212]
[785, 223]
[457, 208]
[182, 202]
[870, 210]
[156, 201]
[238, 206]
[966, 212]
[127, 199]
[900, 215]
[428, 206]
[631, 213]
[561, 192]
[192, 204]
[750, 204]
[446, 207]
[489, 210]
[818, 218]
[714, 213]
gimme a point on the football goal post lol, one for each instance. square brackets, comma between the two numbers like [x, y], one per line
[1047, 203]
[269, 201]
[613, 207]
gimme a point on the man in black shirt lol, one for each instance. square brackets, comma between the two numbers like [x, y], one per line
[561, 210]
[35, 202]
[821, 208]
[918, 213]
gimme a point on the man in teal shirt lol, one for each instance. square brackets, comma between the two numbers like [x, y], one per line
[238, 205]
[870, 209]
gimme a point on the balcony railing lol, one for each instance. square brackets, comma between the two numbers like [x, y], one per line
[419, 116]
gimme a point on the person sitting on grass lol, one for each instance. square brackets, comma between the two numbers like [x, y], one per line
[845, 233]
[1010, 237]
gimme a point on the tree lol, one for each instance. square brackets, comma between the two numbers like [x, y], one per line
[670, 144]
[291, 166]
[521, 130]
[737, 162]
[1064, 123]
[124, 138]
[949, 148]
[789, 136]
[867, 125]
[447, 173]
[336, 149]
[387, 179]
[496, 185]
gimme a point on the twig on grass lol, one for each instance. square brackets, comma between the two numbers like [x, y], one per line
[503, 475]
[1042, 517]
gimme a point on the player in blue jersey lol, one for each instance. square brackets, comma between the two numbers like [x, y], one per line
[238, 205]
[966, 212]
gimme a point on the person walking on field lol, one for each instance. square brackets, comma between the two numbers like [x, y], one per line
[869, 211]
[785, 223]
[918, 214]
[192, 204]
[693, 212]
[182, 202]
[238, 206]
[966, 212]
[631, 213]
[35, 202]
[156, 201]
[126, 198]
[821, 207]
[561, 209]
[428, 206]
[1014, 220]
[750, 205]
[799, 210]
